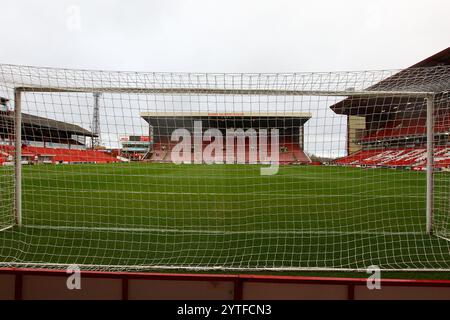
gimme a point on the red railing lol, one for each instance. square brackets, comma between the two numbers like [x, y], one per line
[239, 280]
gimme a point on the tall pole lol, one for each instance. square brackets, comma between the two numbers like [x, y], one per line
[18, 156]
[96, 121]
[430, 161]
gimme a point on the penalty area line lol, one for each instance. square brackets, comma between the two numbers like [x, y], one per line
[6, 228]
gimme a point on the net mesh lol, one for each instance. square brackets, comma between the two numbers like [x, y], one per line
[300, 171]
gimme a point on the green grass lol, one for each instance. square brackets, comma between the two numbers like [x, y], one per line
[227, 217]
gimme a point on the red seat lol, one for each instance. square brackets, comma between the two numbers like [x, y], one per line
[405, 157]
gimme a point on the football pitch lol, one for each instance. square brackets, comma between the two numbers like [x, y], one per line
[147, 216]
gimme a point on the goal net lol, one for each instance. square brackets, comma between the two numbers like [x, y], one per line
[295, 171]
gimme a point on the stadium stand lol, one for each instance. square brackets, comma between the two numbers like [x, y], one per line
[292, 154]
[400, 157]
[47, 141]
[290, 128]
[62, 155]
[395, 128]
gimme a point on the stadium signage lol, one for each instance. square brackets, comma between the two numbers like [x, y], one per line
[256, 151]
[135, 138]
[238, 114]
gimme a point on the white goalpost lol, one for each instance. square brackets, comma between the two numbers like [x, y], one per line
[356, 170]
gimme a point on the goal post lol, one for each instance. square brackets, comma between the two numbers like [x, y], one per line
[300, 171]
[430, 161]
[7, 175]
[17, 157]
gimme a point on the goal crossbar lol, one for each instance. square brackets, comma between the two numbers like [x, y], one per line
[216, 91]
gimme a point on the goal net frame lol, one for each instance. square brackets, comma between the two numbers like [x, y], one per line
[427, 96]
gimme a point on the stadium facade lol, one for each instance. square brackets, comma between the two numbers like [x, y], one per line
[391, 131]
[135, 148]
[46, 140]
[289, 125]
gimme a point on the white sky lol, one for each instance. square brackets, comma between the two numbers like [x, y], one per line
[226, 36]
[223, 36]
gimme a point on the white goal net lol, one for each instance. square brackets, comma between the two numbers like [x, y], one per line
[298, 171]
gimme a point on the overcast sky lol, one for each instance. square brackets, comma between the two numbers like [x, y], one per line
[223, 36]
